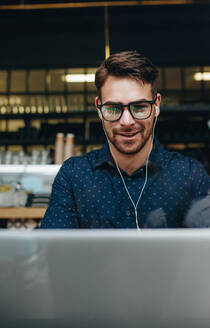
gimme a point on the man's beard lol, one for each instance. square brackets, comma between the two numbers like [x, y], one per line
[121, 146]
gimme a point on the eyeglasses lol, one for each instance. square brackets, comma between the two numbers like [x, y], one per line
[139, 110]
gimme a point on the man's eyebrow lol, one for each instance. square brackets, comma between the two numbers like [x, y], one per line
[109, 102]
[141, 100]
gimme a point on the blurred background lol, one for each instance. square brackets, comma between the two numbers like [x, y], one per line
[50, 51]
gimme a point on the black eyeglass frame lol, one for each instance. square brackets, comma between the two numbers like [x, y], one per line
[121, 106]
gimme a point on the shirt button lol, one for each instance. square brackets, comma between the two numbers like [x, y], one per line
[128, 213]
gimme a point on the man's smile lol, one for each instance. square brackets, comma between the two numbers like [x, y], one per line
[128, 134]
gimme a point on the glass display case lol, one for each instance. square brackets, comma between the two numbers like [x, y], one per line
[25, 194]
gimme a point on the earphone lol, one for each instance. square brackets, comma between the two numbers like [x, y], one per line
[146, 172]
[156, 110]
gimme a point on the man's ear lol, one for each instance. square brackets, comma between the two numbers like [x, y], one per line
[97, 100]
[157, 104]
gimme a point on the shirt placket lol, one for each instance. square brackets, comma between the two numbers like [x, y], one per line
[125, 210]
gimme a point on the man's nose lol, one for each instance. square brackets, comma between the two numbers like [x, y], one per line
[126, 118]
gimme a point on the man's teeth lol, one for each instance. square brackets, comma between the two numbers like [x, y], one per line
[129, 135]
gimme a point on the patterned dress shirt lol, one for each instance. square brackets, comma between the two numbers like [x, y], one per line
[88, 192]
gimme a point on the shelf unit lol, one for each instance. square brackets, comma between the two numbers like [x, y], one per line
[175, 125]
[49, 104]
[22, 215]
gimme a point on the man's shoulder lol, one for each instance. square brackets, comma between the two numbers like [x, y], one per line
[181, 161]
[170, 158]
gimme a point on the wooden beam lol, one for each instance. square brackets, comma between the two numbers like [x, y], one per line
[96, 4]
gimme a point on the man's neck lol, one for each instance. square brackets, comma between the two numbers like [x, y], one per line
[133, 162]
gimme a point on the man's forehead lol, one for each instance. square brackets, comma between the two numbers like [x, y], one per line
[117, 88]
[111, 79]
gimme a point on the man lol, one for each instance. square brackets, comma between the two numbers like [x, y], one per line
[131, 182]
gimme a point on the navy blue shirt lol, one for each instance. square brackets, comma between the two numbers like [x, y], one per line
[88, 192]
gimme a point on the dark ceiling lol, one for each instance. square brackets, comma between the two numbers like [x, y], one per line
[140, 2]
[169, 35]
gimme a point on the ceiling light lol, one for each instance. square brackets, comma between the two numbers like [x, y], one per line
[205, 76]
[79, 78]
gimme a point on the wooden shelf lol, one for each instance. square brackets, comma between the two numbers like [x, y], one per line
[22, 212]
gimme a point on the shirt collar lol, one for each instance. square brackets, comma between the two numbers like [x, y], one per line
[104, 156]
[156, 157]
[155, 160]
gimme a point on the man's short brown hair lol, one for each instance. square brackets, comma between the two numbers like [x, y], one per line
[128, 64]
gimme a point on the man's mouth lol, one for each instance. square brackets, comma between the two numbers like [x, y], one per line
[128, 135]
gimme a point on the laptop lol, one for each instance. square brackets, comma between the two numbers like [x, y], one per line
[107, 278]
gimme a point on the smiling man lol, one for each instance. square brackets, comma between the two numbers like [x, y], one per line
[131, 182]
[128, 127]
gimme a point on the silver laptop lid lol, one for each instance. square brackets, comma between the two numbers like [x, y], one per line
[106, 278]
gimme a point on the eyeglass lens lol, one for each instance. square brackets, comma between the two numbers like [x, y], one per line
[113, 112]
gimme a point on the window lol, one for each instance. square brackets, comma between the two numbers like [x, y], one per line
[3, 81]
[191, 83]
[173, 78]
[18, 81]
[207, 82]
[37, 80]
[56, 80]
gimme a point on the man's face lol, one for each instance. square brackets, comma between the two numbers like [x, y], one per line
[128, 135]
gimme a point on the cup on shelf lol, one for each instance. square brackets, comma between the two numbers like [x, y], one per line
[69, 146]
[59, 145]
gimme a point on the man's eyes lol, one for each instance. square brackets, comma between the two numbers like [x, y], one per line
[133, 107]
[139, 107]
[111, 108]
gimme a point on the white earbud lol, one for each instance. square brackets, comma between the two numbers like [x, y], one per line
[156, 110]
